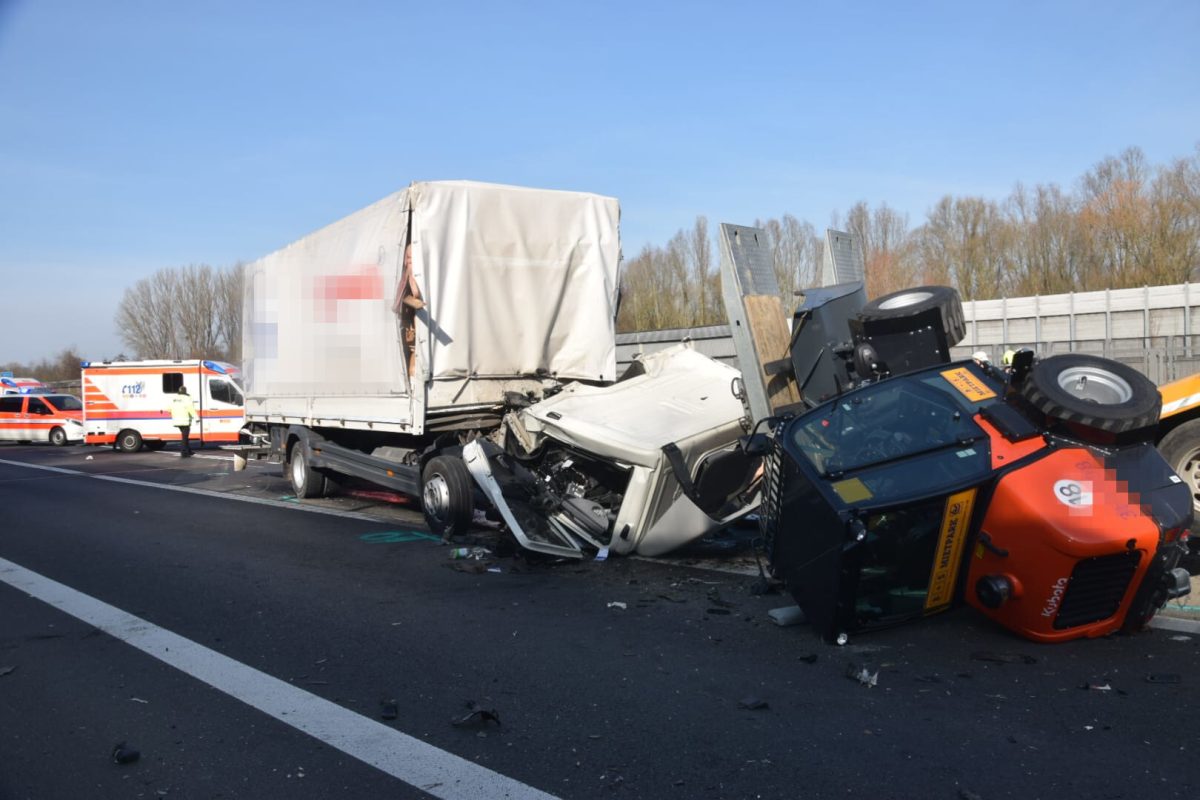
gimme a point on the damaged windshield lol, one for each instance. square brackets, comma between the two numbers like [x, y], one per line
[893, 420]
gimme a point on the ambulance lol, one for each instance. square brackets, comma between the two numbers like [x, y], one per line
[127, 404]
[11, 385]
[37, 417]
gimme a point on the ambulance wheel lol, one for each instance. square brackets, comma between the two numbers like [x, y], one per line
[129, 441]
[908, 303]
[58, 437]
[1096, 397]
[446, 496]
[306, 481]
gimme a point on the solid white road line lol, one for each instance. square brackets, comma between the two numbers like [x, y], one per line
[417, 763]
[262, 501]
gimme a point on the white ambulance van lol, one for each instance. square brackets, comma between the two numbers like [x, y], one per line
[127, 404]
[38, 417]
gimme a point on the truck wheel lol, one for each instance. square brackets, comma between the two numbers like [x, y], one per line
[446, 496]
[129, 441]
[58, 437]
[1097, 397]
[1181, 449]
[306, 481]
[912, 302]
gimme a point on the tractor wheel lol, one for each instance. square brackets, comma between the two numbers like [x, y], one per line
[907, 303]
[1097, 398]
[129, 441]
[306, 481]
[58, 437]
[447, 496]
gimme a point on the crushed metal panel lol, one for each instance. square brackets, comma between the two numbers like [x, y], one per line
[843, 261]
[756, 318]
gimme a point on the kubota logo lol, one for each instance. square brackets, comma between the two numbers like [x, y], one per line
[1055, 598]
[134, 389]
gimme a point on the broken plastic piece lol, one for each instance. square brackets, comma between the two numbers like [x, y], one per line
[863, 675]
[617, 604]
[6, 671]
[124, 755]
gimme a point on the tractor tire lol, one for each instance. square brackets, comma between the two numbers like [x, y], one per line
[1097, 398]
[306, 481]
[906, 303]
[129, 441]
[447, 496]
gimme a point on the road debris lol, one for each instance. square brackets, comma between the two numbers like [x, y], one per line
[388, 709]
[753, 704]
[786, 616]
[1003, 658]
[1164, 677]
[862, 674]
[476, 716]
[123, 754]
[617, 604]
[8, 670]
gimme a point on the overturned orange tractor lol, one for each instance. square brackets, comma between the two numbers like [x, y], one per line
[914, 483]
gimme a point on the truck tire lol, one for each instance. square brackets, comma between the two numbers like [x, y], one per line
[306, 481]
[447, 496]
[913, 302]
[129, 441]
[1181, 449]
[1097, 397]
[58, 437]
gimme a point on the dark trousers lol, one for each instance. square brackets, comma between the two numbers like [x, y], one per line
[183, 431]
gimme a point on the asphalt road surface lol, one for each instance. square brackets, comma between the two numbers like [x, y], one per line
[250, 646]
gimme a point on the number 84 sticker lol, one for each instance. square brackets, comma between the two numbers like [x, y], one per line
[1076, 495]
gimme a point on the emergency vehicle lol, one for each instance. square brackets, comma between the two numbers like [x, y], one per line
[11, 385]
[127, 404]
[54, 418]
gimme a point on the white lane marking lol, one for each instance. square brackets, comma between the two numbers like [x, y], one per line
[411, 760]
[262, 501]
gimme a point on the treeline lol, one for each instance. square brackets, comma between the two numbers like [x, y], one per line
[178, 312]
[185, 312]
[62, 368]
[1127, 223]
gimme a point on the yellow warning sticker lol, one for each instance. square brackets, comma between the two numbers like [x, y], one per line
[956, 523]
[968, 385]
[852, 490]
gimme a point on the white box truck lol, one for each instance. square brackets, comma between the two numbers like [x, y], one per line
[378, 346]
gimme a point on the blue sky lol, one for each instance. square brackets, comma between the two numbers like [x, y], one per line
[141, 135]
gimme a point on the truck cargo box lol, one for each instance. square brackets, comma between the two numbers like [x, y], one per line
[514, 287]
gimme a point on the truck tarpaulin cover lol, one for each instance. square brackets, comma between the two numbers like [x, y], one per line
[516, 282]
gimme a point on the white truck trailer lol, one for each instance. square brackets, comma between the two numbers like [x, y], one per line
[379, 345]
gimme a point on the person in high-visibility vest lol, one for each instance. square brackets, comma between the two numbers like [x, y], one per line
[183, 411]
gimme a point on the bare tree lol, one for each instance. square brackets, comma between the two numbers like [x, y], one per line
[187, 312]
